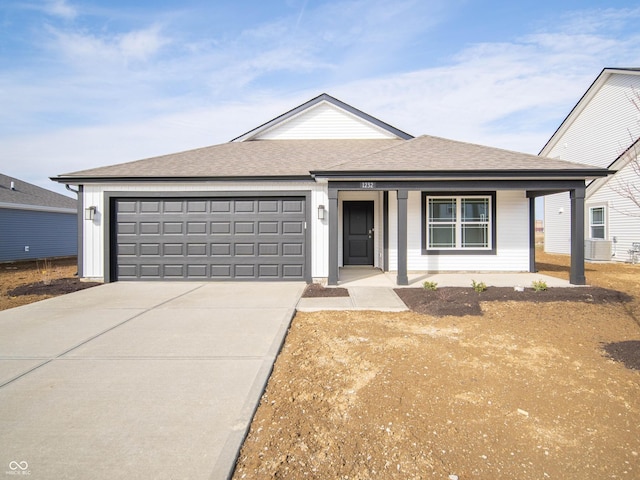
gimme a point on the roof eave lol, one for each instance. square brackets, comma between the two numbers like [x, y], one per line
[561, 174]
[80, 180]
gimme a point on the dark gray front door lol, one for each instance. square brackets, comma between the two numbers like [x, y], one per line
[358, 233]
[255, 238]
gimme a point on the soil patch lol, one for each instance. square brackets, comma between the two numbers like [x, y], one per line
[627, 352]
[20, 282]
[315, 290]
[58, 286]
[460, 301]
[532, 385]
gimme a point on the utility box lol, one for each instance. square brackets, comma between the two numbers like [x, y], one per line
[597, 249]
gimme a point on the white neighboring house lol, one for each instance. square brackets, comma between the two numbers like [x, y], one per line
[602, 130]
[321, 187]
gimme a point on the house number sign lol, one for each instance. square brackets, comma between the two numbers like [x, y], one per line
[368, 185]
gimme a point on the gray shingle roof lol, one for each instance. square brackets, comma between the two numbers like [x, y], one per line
[29, 194]
[299, 158]
[436, 154]
[265, 158]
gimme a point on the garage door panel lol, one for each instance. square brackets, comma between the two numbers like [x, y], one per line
[244, 228]
[268, 206]
[150, 270]
[245, 249]
[147, 249]
[196, 228]
[149, 228]
[199, 206]
[292, 271]
[149, 207]
[293, 206]
[221, 206]
[267, 249]
[221, 271]
[221, 228]
[292, 228]
[172, 270]
[173, 207]
[127, 271]
[245, 206]
[127, 228]
[221, 249]
[235, 238]
[268, 228]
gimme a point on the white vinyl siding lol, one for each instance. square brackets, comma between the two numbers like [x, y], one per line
[324, 121]
[622, 215]
[93, 248]
[557, 223]
[604, 127]
[512, 238]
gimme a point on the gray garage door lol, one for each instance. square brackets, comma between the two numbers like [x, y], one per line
[210, 238]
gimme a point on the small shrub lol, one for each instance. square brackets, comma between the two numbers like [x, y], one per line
[45, 269]
[539, 285]
[478, 286]
[430, 285]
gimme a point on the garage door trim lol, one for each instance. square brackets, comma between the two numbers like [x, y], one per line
[109, 215]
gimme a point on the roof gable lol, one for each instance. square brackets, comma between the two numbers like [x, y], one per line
[603, 122]
[324, 118]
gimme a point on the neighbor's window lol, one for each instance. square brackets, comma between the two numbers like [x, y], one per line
[596, 222]
[458, 223]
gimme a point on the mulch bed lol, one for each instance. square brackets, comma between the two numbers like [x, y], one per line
[626, 352]
[58, 286]
[460, 301]
[315, 290]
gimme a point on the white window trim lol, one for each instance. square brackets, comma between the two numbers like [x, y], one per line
[459, 223]
[590, 209]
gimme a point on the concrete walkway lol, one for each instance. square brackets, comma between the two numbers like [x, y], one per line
[137, 380]
[371, 289]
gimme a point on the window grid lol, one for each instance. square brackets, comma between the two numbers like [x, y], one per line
[459, 223]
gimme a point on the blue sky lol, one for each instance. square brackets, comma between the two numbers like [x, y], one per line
[89, 83]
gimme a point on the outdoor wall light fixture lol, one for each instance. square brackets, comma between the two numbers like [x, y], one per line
[321, 212]
[90, 213]
[560, 211]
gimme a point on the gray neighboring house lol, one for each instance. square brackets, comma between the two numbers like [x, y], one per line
[35, 222]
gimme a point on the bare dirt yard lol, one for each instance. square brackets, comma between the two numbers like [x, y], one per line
[519, 389]
[31, 281]
[545, 385]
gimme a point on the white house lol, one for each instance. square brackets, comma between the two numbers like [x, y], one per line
[320, 187]
[602, 130]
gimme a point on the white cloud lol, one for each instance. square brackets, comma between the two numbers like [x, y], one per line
[88, 51]
[134, 101]
[60, 8]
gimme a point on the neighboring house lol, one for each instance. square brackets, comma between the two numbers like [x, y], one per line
[35, 222]
[320, 187]
[602, 130]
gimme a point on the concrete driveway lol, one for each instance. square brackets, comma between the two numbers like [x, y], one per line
[137, 380]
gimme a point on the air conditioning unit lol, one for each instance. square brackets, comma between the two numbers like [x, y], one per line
[597, 249]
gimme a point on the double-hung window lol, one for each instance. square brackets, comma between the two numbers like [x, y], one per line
[458, 223]
[596, 222]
